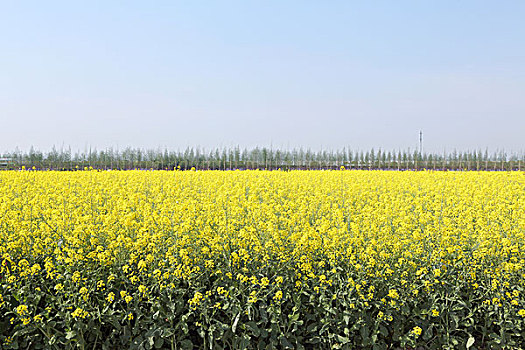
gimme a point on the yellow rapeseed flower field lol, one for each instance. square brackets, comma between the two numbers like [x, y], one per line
[262, 259]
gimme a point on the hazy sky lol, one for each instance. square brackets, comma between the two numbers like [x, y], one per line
[327, 74]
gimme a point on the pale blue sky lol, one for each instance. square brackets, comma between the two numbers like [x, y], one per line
[328, 74]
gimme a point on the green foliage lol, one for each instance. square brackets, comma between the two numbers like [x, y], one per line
[259, 158]
[346, 309]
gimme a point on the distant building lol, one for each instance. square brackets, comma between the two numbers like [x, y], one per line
[5, 163]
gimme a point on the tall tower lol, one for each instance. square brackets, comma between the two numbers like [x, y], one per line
[420, 142]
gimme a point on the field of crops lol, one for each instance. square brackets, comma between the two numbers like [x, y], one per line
[262, 259]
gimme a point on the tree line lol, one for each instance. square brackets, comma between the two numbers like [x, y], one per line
[259, 158]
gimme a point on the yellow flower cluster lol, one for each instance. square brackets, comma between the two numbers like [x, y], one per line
[79, 313]
[416, 331]
[22, 310]
[371, 238]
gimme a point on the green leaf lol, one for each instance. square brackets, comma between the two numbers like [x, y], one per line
[346, 318]
[293, 318]
[343, 340]
[71, 334]
[158, 343]
[186, 344]
[470, 341]
[285, 343]
[315, 340]
[252, 326]
[245, 341]
[364, 334]
[312, 327]
[151, 341]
